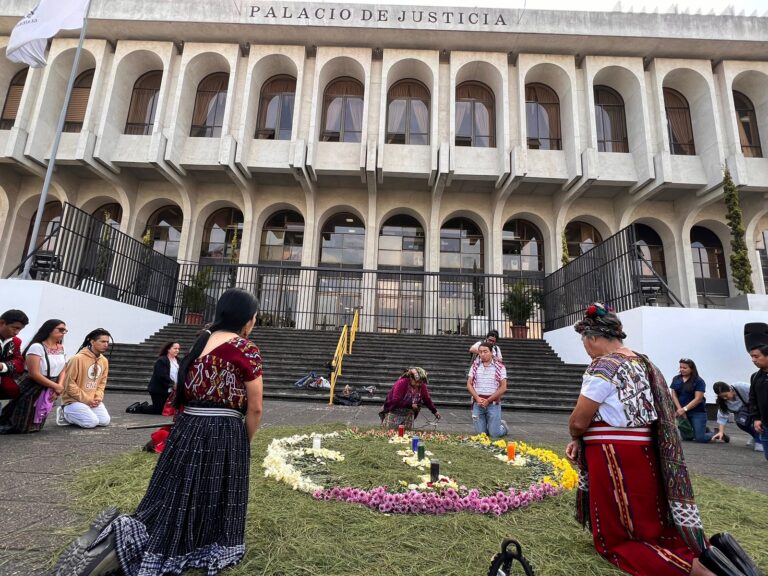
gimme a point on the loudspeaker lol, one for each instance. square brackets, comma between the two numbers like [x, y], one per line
[755, 334]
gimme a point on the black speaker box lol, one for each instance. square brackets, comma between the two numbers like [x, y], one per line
[755, 334]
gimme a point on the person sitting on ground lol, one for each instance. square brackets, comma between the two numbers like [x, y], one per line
[491, 338]
[734, 399]
[11, 361]
[45, 361]
[406, 397]
[688, 395]
[84, 384]
[164, 376]
[758, 395]
[487, 383]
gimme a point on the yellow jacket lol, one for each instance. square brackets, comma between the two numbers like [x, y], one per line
[86, 378]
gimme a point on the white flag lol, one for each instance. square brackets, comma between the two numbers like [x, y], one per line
[30, 36]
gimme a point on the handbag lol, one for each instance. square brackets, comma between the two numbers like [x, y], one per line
[686, 429]
[742, 416]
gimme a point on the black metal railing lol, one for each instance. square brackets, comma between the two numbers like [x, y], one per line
[390, 301]
[614, 272]
[89, 254]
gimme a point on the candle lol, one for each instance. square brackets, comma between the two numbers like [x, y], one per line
[510, 451]
[421, 451]
[434, 470]
[414, 443]
[316, 442]
[401, 430]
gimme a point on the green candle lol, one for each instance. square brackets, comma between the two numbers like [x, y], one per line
[421, 451]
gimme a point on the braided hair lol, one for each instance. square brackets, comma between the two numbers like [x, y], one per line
[600, 320]
[235, 308]
[94, 335]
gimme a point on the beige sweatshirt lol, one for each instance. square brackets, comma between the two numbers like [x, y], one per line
[86, 378]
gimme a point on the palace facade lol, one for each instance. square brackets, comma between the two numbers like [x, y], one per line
[396, 139]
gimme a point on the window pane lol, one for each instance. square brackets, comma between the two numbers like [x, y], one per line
[463, 119]
[389, 258]
[352, 257]
[419, 139]
[450, 260]
[482, 120]
[390, 242]
[286, 114]
[271, 120]
[353, 115]
[419, 117]
[272, 237]
[331, 256]
[333, 116]
[397, 116]
[450, 245]
[331, 240]
[413, 259]
[354, 240]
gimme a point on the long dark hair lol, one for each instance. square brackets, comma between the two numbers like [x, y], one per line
[42, 333]
[691, 382]
[167, 346]
[235, 308]
[94, 335]
[719, 388]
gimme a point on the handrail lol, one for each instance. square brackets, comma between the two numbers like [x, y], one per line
[354, 329]
[338, 359]
[660, 279]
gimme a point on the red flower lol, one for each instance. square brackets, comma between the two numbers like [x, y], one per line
[591, 310]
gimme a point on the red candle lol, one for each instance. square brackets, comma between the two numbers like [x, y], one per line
[401, 430]
[510, 451]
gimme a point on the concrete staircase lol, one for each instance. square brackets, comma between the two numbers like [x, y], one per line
[538, 379]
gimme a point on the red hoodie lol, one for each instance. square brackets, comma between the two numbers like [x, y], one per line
[11, 358]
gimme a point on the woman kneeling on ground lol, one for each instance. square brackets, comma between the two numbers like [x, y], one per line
[688, 396]
[164, 376]
[193, 513]
[734, 399]
[634, 490]
[405, 399]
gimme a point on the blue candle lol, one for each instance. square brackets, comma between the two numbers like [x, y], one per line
[414, 443]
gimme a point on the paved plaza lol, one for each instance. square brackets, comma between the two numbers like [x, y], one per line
[37, 468]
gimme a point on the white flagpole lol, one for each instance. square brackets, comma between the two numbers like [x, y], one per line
[55, 149]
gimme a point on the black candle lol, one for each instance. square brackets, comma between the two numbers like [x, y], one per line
[434, 470]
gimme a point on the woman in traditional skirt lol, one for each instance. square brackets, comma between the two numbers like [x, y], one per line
[193, 514]
[634, 490]
[405, 399]
[45, 361]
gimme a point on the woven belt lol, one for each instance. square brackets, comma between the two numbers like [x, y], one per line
[604, 434]
[195, 411]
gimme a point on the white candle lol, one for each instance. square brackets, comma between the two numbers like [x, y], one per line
[316, 442]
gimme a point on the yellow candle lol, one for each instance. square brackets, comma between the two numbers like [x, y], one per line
[510, 451]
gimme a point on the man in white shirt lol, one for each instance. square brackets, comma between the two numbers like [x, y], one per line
[487, 382]
[491, 338]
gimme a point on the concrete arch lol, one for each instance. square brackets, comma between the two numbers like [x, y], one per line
[335, 209]
[94, 202]
[698, 92]
[478, 220]
[263, 69]
[628, 85]
[411, 68]
[552, 74]
[338, 67]
[144, 211]
[599, 224]
[198, 68]
[541, 224]
[403, 210]
[754, 85]
[492, 77]
[8, 70]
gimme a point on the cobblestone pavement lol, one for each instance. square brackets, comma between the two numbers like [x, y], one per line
[36, 468]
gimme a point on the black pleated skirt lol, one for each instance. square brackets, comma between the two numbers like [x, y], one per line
[193, 514]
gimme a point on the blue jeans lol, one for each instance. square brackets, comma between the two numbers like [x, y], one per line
[749, 430]
[764, 440]
[488, 420]
[699, 422]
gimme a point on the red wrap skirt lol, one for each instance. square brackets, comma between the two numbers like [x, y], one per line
[628, 506]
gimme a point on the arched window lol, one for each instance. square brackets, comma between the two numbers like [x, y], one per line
[343, 241]
[110, 213]
[276, 109]
[210, 102]
[401, 244]
[408, 113]
[222, 235]
[12, 100]
[78, 102]
[48, 225]
[610, 120]
[282, 238]
[651, 249]
[141, 112]
[475, 116]
[542, 118]
[164, 229]
[461, 246]
[746, 118]
[581, 238]
[343, 111]
[708, 265]
[679, 127]
[522, 247]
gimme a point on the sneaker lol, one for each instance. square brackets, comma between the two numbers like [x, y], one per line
[750, 442]
[505, 426]
[758, 447]
[726, 438]
[61, 420]
[74, 556]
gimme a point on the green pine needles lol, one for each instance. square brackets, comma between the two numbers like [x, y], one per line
[565, 258]
[740, 266]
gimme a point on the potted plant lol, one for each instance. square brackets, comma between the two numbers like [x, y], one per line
[518, 306]
[195, 296]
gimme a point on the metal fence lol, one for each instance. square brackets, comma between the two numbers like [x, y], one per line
[389, 301]
[90, 255]
[615, 272]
